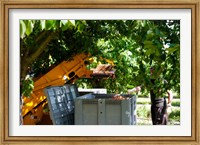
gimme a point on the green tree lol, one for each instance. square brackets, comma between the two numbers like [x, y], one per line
[43, 43]
[133, 45]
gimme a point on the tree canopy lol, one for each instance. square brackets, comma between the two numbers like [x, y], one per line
[134, 46]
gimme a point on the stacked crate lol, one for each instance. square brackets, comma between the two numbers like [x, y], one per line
[61, 103]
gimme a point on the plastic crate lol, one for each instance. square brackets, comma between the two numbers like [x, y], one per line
[74, 90]
[103, 109]
[61, 103]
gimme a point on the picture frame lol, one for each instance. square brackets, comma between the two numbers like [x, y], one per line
[132, 4]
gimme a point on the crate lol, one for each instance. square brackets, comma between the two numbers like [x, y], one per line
[61, 103]
[74, 90]
[102, 109]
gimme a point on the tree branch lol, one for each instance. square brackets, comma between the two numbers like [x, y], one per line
[41, 36]
[41, 46]
[28, 60]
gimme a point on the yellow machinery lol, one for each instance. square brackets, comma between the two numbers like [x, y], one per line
[65, 72]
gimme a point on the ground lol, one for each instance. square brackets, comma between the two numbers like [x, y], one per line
[144, 116]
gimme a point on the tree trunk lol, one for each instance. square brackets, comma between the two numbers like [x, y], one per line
[158, 108]
[159, 111]
[28, 59]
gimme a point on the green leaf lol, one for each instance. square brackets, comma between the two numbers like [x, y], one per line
[42, 24]
[80, 27]
[27, 87]
[49, 24]
[148, 42]
[31, 86]
[58, 24]
[157, 52]
[64, 27]
[29, 28]
[150, 51]
[149, 35]
[172, 49]
[67, 24]
[64, 22]
[22, 29]
[72, 22]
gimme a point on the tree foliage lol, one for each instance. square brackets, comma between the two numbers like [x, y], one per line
[133, 45]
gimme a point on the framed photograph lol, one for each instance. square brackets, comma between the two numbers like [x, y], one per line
[102, 18]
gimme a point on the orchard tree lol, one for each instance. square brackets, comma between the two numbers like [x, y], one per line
[44, 43]
[134, 46]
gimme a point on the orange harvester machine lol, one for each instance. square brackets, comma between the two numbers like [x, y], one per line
[65, 72]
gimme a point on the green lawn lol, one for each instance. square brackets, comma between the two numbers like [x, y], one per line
[144, 115]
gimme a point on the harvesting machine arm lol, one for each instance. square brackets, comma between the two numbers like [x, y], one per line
[65, 72]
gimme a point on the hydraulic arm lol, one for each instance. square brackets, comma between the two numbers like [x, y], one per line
[65, 72]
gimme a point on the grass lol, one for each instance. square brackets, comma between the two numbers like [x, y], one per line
[176, 103]
[175, 115]
[143, 112]
[146, 101]
[143, 101]
[144, 115]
